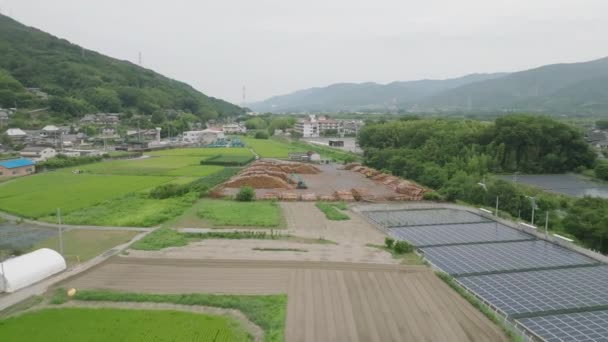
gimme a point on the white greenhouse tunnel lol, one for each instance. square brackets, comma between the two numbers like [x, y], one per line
[30, 268]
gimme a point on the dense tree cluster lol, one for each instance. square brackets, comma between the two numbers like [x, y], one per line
[432, 151]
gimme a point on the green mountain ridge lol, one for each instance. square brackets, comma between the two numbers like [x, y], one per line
[81, 81]
[566, 88]
[559, 88]
[364, 96]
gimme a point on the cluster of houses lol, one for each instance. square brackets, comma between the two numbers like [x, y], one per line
[313, 126]
[597, 138]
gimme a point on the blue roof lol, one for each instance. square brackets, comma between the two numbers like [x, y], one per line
[14, 163]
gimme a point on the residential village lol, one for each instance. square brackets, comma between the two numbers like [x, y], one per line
[100, 134]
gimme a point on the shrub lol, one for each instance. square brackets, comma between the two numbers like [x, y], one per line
[601, 171]
[169, 190]
[432, 196]
[402, 247]
[389, 242]
[261, 135]
[245, 194]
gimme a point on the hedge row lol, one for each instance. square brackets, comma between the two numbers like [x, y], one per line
[222, 160]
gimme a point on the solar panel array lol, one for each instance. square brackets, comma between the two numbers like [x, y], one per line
[528, 279]
[416, 217]
[423, 236]
[493, 257]
[584, 326]
[527, 292]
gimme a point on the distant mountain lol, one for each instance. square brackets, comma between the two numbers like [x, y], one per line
[80, 81]
[364, 96]
[560, 88]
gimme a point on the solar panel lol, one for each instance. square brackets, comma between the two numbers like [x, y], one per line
[457, 233]
[416, 217]
[584, 326]
[527, 292]
[508, 256]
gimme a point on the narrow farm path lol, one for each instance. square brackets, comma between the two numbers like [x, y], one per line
[12, 217]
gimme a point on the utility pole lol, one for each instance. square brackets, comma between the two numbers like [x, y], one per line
[60, 231]
[3, 274]
[533, 201]
[496, 206]
[547, 224]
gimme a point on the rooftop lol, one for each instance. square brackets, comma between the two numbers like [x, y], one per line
[15, 163]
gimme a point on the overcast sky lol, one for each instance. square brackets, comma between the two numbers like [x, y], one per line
[278, 46]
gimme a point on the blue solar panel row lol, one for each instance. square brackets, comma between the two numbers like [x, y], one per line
[583, 326]
[465, 244]
[527, 292]
[496, 257]
[446, 234]
[416, 217]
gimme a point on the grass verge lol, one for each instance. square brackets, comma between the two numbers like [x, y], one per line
[224, 213]
[479, 306]
[268, 312]
[331, 211]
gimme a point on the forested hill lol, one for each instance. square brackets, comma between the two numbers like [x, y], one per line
[81, 81]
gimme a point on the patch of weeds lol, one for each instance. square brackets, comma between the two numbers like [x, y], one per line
[280, 249]
[60, 296]
[330, 209]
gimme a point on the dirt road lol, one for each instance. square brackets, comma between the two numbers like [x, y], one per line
[326, 301]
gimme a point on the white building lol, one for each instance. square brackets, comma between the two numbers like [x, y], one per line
[50, 130]
[234, 129]
[16, 133]
[308, 128]
[29, 269]
[38, 153]
[205, 136]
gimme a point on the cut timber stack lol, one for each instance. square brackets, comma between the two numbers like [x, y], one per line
[344, 195]
[310, 197]
[289, 196]
[350, 166]
[258, 181]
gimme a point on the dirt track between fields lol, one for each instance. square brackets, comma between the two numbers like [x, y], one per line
[326, 301]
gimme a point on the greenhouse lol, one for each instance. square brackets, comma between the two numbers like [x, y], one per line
[30, 268]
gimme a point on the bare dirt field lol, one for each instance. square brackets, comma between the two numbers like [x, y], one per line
[303, 220]
[326, 301]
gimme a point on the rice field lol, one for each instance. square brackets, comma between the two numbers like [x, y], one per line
[271, 148]
[40, 195]
[80, 324]
[202, 152]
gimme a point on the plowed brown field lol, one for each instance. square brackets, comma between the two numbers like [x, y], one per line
[326, 301]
